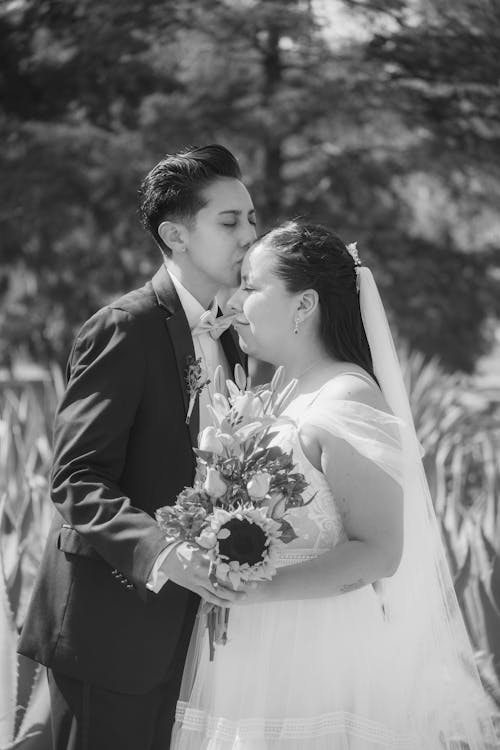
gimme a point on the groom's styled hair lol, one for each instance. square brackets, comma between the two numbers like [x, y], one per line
[173, 189]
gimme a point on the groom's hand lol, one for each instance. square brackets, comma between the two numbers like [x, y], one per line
[188, 566]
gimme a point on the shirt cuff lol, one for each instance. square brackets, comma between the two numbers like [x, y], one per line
[157, 577]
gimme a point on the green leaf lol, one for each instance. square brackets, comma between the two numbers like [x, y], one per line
[8, 663]
[491, 619]
[287, 532]
[25, 525]
[266, 439]
[495, 582]
[36, 716]
[462, 578]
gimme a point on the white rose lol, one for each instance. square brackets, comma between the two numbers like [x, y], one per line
[258, 486]
[207, 538]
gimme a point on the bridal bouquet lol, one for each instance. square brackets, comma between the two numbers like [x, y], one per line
[235, 510]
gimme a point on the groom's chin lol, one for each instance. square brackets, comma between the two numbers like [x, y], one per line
[243, 344]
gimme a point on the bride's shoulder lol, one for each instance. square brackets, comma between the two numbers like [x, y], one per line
[351, 385]
[347, 405]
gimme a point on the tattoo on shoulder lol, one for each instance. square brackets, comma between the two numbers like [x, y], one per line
[352, 586]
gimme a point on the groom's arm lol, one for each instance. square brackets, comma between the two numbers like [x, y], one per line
[92, 426]
[157, 577]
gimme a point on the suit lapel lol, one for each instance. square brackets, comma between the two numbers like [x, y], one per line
[180, 336]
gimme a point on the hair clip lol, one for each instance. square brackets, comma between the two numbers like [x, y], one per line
[352, 249]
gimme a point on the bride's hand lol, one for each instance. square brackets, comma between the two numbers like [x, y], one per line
[256, 593]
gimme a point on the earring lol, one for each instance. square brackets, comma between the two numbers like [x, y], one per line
[296, 329]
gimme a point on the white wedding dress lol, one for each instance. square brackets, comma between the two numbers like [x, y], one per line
[315, 674]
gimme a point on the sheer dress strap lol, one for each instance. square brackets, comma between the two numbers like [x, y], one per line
[374, 433]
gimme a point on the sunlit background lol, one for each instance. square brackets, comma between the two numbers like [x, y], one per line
[379, 119]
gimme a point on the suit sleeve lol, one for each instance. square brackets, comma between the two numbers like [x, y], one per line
[106, 380]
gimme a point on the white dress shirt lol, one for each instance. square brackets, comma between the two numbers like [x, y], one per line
[212, 355]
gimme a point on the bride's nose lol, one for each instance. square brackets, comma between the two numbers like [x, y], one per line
[234, 302]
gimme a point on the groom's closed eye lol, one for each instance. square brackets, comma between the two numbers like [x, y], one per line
[235, 223]
[236, 215]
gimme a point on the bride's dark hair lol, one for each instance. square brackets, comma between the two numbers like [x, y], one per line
[309, 256]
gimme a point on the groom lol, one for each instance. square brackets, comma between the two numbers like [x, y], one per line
[113, 605]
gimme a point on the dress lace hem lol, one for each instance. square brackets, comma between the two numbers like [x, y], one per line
[340, 723]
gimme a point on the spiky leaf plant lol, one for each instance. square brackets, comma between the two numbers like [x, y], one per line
[26, 413]
[459, 428]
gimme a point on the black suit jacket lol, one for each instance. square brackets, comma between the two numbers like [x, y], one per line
[121, 450]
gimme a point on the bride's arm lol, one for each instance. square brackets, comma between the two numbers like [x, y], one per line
[371, 505]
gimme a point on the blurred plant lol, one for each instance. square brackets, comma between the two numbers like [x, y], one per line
[26, 413]
[459, 429]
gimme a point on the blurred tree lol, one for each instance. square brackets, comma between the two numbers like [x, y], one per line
[366, 134]
[75, 74]
[435, 67]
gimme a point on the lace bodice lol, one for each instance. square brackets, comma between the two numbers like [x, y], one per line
[319, 525]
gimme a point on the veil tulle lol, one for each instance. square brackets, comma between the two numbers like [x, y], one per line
[436, 666]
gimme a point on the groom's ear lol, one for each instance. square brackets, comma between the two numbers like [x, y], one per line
[174, 236]
[308, 302]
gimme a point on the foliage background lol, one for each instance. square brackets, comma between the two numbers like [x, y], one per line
[379, 119]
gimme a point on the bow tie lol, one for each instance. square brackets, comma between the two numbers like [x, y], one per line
[213, 325]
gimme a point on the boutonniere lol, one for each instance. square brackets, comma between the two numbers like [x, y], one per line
[196, 380]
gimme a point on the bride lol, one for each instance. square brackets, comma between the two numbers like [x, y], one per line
[357, 643]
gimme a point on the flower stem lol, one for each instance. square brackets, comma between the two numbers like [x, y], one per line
[190, 408]
[211, 618]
